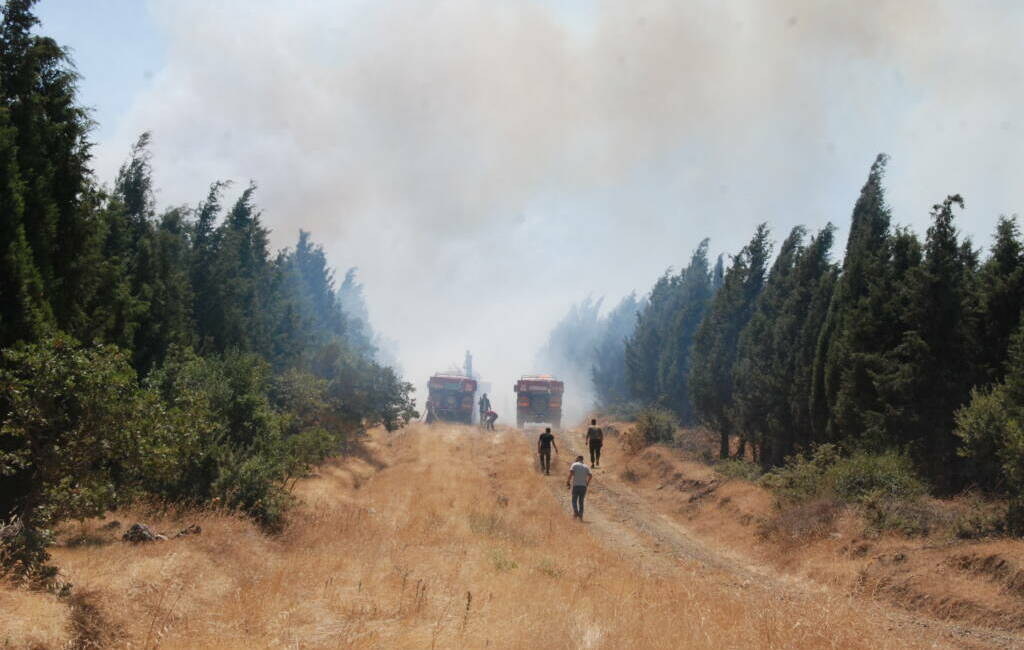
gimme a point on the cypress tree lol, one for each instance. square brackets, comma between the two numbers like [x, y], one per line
[25, 313]
[816, 277]
[644, 347]
[1000, 298]
[928, 375]
[689, 301]
[38, 87]
[714, 347]
[608, 372]
[859, 328]
[763, 371]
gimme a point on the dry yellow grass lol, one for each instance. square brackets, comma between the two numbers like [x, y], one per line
[451, 540]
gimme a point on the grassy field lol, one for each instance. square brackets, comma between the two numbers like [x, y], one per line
[434, 538]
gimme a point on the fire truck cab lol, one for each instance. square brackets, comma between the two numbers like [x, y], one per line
[539, 399]
[452, 396]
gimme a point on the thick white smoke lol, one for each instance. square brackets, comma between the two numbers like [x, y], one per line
[487, 163]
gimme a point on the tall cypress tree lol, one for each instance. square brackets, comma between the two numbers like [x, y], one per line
[608, 373]
[689, 302]
[714, 347]
[240, 293]
[644, 347]
[928, 375]
[1000, 298]
[816, 277]
[859, 328]
[25, 313]
[38, 89]
[205, 241]
[763, 371]
[773, 371]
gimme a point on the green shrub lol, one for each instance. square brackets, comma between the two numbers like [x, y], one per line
[882, 485]
[802, 477]
[737, 468]
[653, 425]
[909, 516]
[887, 475]
[76, 436]
[850, 479]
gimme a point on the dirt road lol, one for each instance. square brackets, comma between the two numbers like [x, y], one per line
[623, 520]
[444, 537]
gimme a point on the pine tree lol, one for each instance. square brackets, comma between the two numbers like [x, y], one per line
[773, 371]
[240, 294]
[162, 277]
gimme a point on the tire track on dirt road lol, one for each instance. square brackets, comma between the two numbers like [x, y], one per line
[628, 524]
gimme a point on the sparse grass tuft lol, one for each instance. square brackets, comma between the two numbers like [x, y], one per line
[802, 523]
[549, 568]
[502, 561]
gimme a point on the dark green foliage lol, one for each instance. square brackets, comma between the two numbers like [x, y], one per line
[77, 435]
[1001, 298]
[773, 370]
[653, 426]
[692, 295]
[861, 324]
[992, 430]
[738, 468]
[251, 369]
[714, 347]
[852, 478]
[928, 375]
[658, 354]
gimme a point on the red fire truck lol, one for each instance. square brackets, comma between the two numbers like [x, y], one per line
[452, 396]
[539, 399]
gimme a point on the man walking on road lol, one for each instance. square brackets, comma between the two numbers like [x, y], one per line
[595, 438]
[578, 480]
[544, 444]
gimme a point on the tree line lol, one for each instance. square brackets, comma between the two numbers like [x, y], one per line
[164, 353]
[908, 344]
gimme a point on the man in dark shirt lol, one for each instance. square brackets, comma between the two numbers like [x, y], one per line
[485, 407]
[595, 438]
[544, 445]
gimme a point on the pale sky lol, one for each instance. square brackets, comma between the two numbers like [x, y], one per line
[486, 163]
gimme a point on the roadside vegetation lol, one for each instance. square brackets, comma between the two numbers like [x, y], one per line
[906, 357]
[158, 354]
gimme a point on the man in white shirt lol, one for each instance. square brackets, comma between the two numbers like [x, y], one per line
[578, 480]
